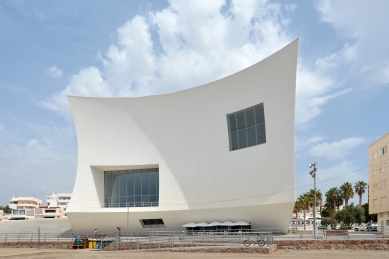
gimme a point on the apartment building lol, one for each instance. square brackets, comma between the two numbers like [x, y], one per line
[24, 203]
[60, 200]
[378, 180]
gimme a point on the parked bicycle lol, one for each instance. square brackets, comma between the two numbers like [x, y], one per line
[260, 241]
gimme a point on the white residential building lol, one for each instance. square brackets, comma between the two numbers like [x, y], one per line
[24, 207]
[59, 200]
[24, 203]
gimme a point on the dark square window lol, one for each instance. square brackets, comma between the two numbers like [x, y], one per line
[246, 128]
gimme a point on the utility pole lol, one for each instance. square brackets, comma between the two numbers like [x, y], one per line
[313, 174]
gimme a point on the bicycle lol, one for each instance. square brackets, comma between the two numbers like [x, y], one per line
[260, 241]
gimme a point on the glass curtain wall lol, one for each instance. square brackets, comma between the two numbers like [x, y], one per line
[133, 188]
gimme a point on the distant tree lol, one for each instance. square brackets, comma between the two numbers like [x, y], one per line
[333, 201]
[325, 212]
[360, 188]
[311, 195]
[325, 221]
[351, 214]
[6, 209]
[346, 191]
[334, 196]
[369, 217]
[305, 200]
[297, 207]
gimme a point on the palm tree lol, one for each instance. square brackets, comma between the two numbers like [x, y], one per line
[305, 200]
[333, 196]
[347, 191]
[319, 199]
[297, 208]
[331, 201]
[360, 188]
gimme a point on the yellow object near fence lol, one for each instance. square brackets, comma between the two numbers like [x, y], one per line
[92, 243]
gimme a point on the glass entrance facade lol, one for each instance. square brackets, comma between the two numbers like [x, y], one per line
[132, 188]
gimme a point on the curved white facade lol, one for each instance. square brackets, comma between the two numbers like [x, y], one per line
[185, 135]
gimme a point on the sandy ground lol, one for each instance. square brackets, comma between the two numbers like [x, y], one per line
[45, 253]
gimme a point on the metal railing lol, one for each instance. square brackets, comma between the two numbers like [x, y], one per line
[128, 204]
[196, 238]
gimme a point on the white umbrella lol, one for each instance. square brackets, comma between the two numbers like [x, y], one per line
[190, 225]
[242, 223]
[227, 223]
[202, 224]
[215, 223]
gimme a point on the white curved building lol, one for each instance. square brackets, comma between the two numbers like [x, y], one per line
[221, 152]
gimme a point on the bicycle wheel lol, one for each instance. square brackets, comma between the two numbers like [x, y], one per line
[261, 242]
[247, 243]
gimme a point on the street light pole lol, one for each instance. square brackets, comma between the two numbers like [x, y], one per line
[313, 174]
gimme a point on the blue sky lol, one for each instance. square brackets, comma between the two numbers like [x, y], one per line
[50, 49]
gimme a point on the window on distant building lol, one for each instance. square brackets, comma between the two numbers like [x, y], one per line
[246, 128]
[383, 200]
[132, 188]
[375, 155]
[383, 168]
[375, 202]
[152, 223]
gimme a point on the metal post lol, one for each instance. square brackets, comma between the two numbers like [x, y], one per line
[314, 206]
[128, 209]
[313, 174]
[39, 235]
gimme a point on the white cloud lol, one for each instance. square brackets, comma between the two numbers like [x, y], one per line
[313, 91]
[336, 150]
[195, 43]
[88, 82]
[364, 23]
[54, 71]
[290, 7]
[347, 54]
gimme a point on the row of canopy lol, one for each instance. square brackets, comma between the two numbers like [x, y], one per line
[216, 223]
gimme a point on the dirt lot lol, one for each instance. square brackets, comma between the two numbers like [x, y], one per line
[52, 254]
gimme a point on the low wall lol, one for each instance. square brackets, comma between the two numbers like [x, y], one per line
[376, 244]
[43, 245]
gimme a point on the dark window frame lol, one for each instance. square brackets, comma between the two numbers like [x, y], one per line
[152, 223]
[234, 127]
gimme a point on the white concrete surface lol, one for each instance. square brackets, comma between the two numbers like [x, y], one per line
[185, 135]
